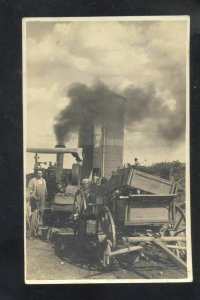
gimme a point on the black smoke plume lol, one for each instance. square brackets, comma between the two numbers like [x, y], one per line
[88, 103]
[146, 105]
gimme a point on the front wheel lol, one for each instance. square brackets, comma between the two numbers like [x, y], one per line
[79, 210]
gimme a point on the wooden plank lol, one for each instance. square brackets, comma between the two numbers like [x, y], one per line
[151, 184]
[120, 210]
[147, 222]
[64, 200]
[125, 250]
[62, 207]
[134, 239]
[151, 214]
[62, 232]
[150, 208]
[176, 247]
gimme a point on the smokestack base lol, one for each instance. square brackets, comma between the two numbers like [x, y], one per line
[59, 162]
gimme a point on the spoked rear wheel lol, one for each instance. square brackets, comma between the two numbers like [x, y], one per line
[79, 218]
[106, 235]
[82, 229]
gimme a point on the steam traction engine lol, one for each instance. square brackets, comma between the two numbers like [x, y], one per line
[62, 185]
[131, 210]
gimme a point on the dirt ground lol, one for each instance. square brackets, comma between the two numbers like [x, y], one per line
[45, 262]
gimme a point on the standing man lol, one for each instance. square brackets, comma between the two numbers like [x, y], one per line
[38, 192]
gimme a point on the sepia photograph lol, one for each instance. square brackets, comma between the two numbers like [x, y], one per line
[106, 150]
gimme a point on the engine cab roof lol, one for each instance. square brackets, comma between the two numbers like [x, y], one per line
[76, 152]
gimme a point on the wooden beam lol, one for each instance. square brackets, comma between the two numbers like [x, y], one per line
[176, 247]
[135, 239]
[178, 261]
[180, 231]
[125, 250]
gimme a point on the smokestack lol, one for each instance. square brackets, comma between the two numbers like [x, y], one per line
[112, 141]
[102, 139]
[59, 162]
[99, 114]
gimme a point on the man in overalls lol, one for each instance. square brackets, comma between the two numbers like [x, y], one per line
[38, 192]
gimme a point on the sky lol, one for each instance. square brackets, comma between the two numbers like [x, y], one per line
[144, 61]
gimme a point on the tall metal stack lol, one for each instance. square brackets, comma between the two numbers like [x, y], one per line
[102, 140]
